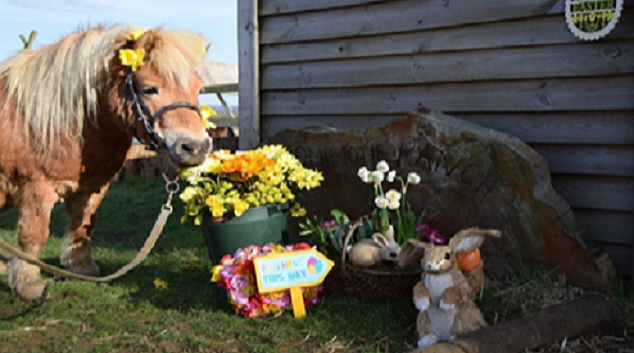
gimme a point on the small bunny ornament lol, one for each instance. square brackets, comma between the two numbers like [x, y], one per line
[370, 252]
[443, 297]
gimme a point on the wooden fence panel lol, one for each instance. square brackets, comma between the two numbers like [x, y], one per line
[392, 17]
[603, 59]
[615, 194]
[276, 7]
[605, 93]
[249, 90]
[533, 32]
[607, 226]
[604, 128]
[589, 160]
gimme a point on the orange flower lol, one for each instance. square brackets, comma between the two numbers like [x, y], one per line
[247, 164]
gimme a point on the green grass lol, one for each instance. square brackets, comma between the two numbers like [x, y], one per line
[131, 315]
[191, 315]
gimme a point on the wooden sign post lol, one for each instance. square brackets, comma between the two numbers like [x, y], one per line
[291, 270]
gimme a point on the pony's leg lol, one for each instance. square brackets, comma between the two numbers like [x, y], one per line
[75, 253]
[34, 204]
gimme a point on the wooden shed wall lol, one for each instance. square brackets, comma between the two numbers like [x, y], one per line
[509, 65]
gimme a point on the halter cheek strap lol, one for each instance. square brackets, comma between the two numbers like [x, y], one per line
[144, 114]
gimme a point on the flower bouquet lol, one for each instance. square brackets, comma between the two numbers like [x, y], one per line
[243, 198]
[236, 275]
[228, 184]
[383, 232]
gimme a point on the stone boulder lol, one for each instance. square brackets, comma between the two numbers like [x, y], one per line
[471, 176]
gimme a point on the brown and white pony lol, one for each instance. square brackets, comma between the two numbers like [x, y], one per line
[68, 113]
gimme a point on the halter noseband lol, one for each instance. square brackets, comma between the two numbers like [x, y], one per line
[144, 114]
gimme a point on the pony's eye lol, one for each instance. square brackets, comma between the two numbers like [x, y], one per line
[148, 91]
[447, 256]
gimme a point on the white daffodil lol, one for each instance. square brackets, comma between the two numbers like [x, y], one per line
[377, 176]
[381, 202]
[391, 175]
[393, 196]
[413, 178]
[393, 205]
[382, 166]
[363, 173]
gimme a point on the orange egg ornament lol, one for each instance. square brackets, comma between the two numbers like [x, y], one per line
[467, 261]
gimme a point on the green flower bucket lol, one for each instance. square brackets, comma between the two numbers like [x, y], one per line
[257, 226]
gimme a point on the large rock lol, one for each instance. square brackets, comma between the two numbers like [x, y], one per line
[472, 176]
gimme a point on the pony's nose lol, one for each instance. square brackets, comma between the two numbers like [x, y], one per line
[191, 151]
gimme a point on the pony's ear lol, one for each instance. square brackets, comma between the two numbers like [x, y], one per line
[470, 239]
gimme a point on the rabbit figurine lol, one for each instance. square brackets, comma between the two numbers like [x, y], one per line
[370, 252]
[443, 297]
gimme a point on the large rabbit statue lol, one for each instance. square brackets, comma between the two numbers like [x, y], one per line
[443, 297]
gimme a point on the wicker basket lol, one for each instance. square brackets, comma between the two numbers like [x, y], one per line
[365, 283]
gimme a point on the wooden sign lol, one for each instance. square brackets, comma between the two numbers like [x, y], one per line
[592, 19]
[291, 270]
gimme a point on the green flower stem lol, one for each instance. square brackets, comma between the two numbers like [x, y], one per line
[399, 236]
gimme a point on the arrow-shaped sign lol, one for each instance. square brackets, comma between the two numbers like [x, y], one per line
[291, 270]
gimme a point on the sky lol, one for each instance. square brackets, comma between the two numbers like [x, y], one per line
[52, 19]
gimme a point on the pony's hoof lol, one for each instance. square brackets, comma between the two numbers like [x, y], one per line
[91, 270]
[427, 340]
[31, 290]
[25, 281]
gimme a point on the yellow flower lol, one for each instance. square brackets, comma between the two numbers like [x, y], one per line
[189, 193]
[217, 211]
[205, 114]
[271, 308]
[213, 201]
[276, 295]
[215, 273]
[160, 284]
[298, 211]
[136, 34]
[310, 293]
[212, 165]
[239, 207]
[132, 58]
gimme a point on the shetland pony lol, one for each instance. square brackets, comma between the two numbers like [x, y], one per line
[68, 114]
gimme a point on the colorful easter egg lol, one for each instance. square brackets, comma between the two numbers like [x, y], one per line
[311, 269]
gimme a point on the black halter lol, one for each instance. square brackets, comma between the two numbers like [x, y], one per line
[144, 114]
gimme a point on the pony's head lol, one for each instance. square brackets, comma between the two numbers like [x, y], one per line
[160, 73]
[96, 76]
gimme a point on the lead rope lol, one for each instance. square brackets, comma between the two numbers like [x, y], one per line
[171, 187]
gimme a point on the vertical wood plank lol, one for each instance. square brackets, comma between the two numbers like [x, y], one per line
[249, 64]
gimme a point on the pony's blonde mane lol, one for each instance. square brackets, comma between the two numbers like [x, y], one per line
[56, 88]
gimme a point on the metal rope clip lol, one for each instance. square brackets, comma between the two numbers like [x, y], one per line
[172, 187]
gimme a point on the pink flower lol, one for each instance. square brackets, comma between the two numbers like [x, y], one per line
[432, 235]
[239, 282]
[239, 297]
[328, 224]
